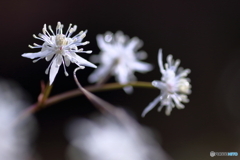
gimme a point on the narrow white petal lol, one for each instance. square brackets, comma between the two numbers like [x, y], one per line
[54, 68]
[184, 98]
[134, 44]
[142, 67]
[49, 57]
[120, 37]
[150, 106]
[160, 61]
[168, 110]
[67, 61]
[160, 108]
[170, 60]
[81, 61]
[183, 73]
[177, 62]
[177, 100]
[122, 75]
[36, 55]
[103, 45]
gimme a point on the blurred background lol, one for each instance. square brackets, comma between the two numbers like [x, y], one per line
[204, 34]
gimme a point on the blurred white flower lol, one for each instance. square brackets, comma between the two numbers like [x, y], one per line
[61, 48]
[174, 86]
[15, 137]
[105, 138]
[119, 57]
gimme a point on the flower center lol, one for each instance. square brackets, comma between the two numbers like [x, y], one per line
[61, 40]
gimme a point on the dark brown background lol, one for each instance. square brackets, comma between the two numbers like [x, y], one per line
[204, 34]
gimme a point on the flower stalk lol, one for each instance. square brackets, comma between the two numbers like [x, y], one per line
[43, 96]
[45, 102]
[94, 88]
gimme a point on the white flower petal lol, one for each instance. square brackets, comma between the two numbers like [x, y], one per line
[162, 70]
[122, 75]
[168, 110]
[160, 108]
[49, 57]
[177, 62]
[80, 61]
[120, 38]
[134, 44]
[177, 101]
[150, 106]
[170, 60]
[67, 61]
[142, 67]
[35, 55]
[184, 73]
[103, 45]
[57, 61]
[184, 98]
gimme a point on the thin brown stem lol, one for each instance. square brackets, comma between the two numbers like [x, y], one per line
[102, 105]
[76, 92]
[43, 96]
[93, 88]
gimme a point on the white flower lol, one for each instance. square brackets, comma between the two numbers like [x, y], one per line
[119, 57]
[61, 48]
[174, 86]
[106, 138]
[15, 137]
